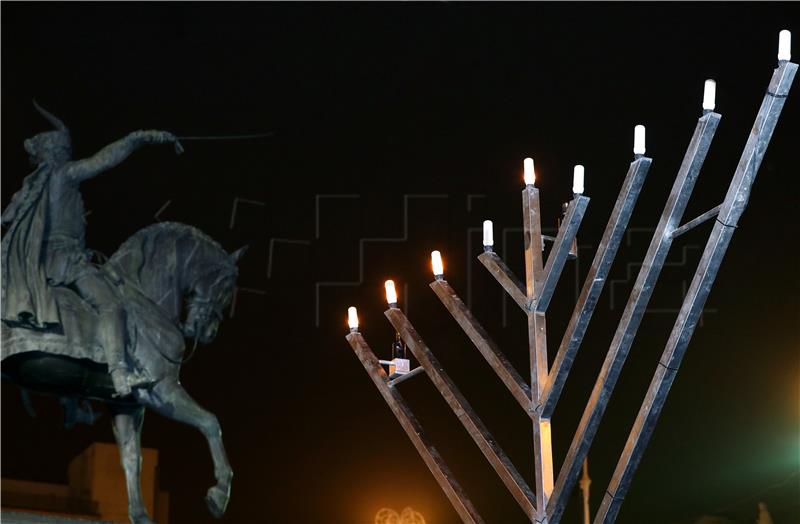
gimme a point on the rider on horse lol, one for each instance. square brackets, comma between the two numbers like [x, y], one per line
[45, 242]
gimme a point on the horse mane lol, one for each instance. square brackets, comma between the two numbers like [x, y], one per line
[141, 258]
[153, 230]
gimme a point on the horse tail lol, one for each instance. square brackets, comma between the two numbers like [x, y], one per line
[75, 412]
[27, 403]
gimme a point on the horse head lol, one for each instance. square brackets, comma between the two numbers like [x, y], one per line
[209, 293]
[184, 271]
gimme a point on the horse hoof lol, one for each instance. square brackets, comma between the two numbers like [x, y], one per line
[217, 501]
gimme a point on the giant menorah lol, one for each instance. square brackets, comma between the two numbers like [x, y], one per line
[547, 503]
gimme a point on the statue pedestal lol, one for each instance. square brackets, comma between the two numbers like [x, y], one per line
[96, 492]
[15, 517]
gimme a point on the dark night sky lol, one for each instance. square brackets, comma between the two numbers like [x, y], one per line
[383, 101]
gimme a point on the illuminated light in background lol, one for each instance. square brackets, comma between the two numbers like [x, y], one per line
[391, 293]
[407, 516]
[437, 265]
[352, 318]
[638, 140]
[785, 45]
[577, 180]
[529, 173]
[709, 94]
[488, 235]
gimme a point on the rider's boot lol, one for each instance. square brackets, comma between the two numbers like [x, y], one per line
[111, 335]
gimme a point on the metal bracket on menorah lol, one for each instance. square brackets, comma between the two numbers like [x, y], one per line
[546, 502]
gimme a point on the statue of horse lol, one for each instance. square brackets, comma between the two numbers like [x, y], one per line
[175, 282]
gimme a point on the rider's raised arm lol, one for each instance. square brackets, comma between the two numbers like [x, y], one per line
[115, 153]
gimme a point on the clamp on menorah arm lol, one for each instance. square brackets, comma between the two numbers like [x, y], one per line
[464, 412]
[688, 226]
[480, 338]
[634, 310]
[594, 283]
[436, 464]
[729, 213]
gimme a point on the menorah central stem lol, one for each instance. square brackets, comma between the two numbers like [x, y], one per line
[532, 229]
[537, 345]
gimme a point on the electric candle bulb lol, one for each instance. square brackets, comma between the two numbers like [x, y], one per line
[488, 234]
[352, 318]
[638, 140]
[577, 180]
[436, 263]
[785, 45]
[709, 94]
[391, 293]
[530, 175]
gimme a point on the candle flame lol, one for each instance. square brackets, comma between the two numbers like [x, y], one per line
[352, 317]
[436, 263]
[529, 173]
[391, 292]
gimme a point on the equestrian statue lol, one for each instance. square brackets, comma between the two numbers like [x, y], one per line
[111, 332]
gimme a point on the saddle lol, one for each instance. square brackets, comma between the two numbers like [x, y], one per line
[75, 338]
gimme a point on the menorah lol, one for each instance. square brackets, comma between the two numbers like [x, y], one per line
[539, 399]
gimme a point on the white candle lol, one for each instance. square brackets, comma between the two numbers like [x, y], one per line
[785, 45]
[530, 175]
[391, 292]
[488, 233]
[436, 264]
[352, 318]
[577, 180]
[638, 140]
[709, 94]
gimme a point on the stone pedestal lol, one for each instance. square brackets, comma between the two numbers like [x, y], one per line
[96, 492]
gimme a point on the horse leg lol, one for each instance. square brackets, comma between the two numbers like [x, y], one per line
[172, 401]
[127, 423]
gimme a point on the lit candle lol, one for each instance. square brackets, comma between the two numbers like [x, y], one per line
[488, 235]
[638, 140]
[577, 180]
[530, 175]
[436, 263]
[391, 293]
[709, 95]
[785, 45]
[352, 318]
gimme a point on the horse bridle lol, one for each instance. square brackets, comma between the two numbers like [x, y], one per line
[207, 309]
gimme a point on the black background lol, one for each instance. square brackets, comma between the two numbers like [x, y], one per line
[383, 101]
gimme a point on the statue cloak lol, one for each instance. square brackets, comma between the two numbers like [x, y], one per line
[27, 300]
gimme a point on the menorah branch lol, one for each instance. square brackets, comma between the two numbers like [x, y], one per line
[502, 465]
[495, 358]
[558, 255]
[409, 423]
[634, 310]
[730, 211]
[594, 283]
[505, 277]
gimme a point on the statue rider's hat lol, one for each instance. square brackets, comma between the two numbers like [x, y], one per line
[50, 117]
[59, 138]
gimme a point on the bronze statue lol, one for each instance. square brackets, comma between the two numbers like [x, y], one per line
[112, 332]
[48, 216]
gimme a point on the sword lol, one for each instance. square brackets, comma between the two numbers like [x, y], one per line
[228, 137]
